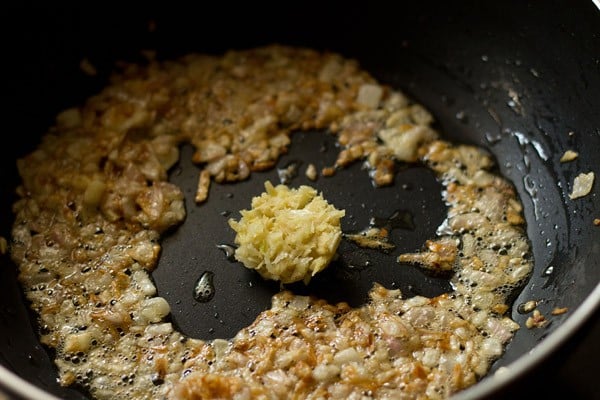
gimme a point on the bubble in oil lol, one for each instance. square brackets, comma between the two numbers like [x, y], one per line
[204, 289]
[157, 379]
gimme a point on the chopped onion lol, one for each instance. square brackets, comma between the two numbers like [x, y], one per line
[582, 185]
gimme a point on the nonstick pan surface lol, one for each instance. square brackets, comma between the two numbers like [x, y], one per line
[521, 79]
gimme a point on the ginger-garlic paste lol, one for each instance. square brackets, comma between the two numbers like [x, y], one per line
[288, 235]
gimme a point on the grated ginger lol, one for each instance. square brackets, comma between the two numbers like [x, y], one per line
[289, 235]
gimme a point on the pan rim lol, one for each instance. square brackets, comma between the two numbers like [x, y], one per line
[526, 363]
[11, 383]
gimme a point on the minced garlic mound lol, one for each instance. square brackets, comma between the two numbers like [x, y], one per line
[289, 234]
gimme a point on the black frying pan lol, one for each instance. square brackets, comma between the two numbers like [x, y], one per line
[464, 61]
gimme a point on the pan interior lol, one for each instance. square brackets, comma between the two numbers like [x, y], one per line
[412, 207]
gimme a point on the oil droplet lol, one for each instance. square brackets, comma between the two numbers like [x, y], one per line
[32, 360]
[228, 250]
[548, 271]
[462, 117]
[531, 189]
[526, 162]
[525, 140]
[447, 100]
[204, 290]
[492, 138]
[177, 171]
[355, 260]
[401, 219]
